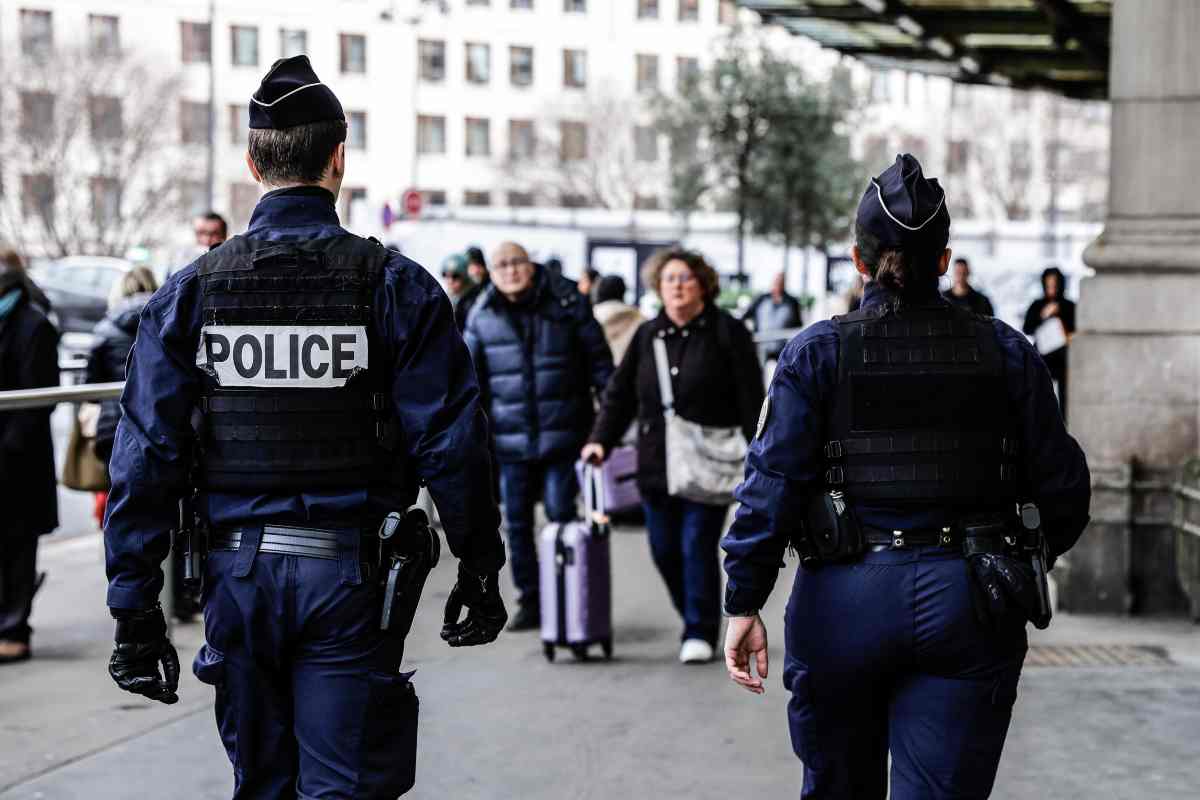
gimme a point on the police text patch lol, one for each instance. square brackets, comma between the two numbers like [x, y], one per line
[284, 356]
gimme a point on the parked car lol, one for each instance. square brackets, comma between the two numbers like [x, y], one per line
[78, 288]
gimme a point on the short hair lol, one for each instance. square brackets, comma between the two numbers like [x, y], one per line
[11, 259]
[609, 287]
[710, 281]
[475, 256]
[963, 261]
[299, 154]
[213, 216]
[592, 274]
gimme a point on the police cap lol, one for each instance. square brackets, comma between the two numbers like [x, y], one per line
[904, 209]
[291, 94]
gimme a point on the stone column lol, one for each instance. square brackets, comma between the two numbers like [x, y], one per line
[1135, 364]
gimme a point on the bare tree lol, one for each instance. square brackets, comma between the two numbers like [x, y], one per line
[91, 159]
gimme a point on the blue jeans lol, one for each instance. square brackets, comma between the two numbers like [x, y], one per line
[683, 541]
[522, 485]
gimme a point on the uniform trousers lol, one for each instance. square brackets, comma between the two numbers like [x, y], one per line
[310, 702]
[885, 654]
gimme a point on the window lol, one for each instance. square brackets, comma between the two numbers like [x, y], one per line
[196, 42]
[37, 115]
[433, 197]
[104, 118]
[479, 63]
[727, 12]
[239, 123]
[37, 33]
[356, 130]
[521, 4]
[572, 141]
[471, 198]
[645, 143]
[37, 197]
[520, 199]
[571, 200]
[432, 55]
[574, 6]
[520, 69]
[243, 44]
[193, 122]
[574, 69]
[521, 140]
[956, 158]
[646, 202]
[431, 134]
[689, 10]
[687, 69]
[647, 72]
[353, 52]
[243, 197]
[647, 9]
[292, 42]
[106, 200]
[479, 137]
[104, 38]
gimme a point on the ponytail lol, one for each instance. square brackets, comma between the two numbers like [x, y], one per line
[899, 271]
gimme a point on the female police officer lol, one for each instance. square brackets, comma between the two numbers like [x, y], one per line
[893, 448]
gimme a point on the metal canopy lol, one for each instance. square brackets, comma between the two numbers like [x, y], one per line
[1059, 45]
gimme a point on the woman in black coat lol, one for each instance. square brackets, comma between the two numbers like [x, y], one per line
[717, 380]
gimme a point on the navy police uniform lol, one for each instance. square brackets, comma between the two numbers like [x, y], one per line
[919, 416]
[307, 381]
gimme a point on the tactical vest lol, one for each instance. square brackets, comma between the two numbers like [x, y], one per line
[921, 413]
[289, 401]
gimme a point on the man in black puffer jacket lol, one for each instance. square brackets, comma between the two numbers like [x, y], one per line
[539, 355]
[114, 339]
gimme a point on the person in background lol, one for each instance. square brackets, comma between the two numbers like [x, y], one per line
[716, 380]
[478, 272]
[618, 319]
[587, 282]
[456, 277]
[554, 266]
[539, 355]
[210, 229]
[1051, 305]
[961, 293]
[28, 491]
[775, 310]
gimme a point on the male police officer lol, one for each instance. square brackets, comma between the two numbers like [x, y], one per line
[892, 450]
[327, 378]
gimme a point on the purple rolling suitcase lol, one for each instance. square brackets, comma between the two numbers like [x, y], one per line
[576, 578]
[618, 477]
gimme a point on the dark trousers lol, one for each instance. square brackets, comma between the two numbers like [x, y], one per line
[310, 702]
[522, 485]
[683, 541]
[885, 654]
[18, 583]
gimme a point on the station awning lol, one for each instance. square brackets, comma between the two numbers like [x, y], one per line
[1058, 45]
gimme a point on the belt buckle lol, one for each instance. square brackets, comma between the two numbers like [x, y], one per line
[897, 538]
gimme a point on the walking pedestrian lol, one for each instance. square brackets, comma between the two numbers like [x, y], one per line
[456, 276]
[540, 357]
[619, 320]
[962, 293]
[1051, 321]
[716, 381]
[477, 271]
[892, 450]
[329, 381]
[210, 229]
[775, 310]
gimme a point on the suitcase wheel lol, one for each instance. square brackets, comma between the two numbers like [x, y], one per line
[548, 651]
[606, 646]
[580, 651]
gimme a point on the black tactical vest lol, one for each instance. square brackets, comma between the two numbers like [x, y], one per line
[296, 393]
[921, 413]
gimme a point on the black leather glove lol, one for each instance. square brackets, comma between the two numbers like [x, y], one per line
[1001, 584]
[485, 610]
[142, 645]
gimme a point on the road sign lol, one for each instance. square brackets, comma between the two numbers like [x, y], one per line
[412, 203]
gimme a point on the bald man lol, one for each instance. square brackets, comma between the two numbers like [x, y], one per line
[540, 356]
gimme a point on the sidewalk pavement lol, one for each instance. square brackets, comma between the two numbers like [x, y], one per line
[500, 722]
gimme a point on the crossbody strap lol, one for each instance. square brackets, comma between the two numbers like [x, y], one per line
[664, 374]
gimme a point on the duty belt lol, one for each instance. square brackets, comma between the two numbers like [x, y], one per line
[881, 539]
[309, 542]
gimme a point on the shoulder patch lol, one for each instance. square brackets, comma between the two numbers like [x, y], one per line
[763, 416]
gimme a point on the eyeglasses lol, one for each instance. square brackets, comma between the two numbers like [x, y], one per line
[683, 279]
[512, 263]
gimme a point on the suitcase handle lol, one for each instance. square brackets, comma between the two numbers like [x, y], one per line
[593, 499]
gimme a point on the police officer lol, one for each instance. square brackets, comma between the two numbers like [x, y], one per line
[326, 379]
[892, 450]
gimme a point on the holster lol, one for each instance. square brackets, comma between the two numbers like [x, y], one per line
[190, 539]
[409, 550]
[831, 533]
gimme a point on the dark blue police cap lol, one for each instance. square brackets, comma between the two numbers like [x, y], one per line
[291, 94]
[904, 209]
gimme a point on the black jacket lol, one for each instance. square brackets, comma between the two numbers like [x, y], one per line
[719, 383]
[538, 363]
[106, 363]
[28, 360]
[462, 309]
[1056, 361]
[974, 301]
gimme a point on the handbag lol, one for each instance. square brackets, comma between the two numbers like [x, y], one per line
[705, 463]
[82, 468]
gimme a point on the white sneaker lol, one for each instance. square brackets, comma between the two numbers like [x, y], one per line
[695, 651]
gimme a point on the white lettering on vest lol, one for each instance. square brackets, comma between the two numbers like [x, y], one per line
[282, 356]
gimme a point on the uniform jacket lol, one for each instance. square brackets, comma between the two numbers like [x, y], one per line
[434, 396]
[716, 381]
[106, 362]
[785, 462]
[28, 360]
[539, 361]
